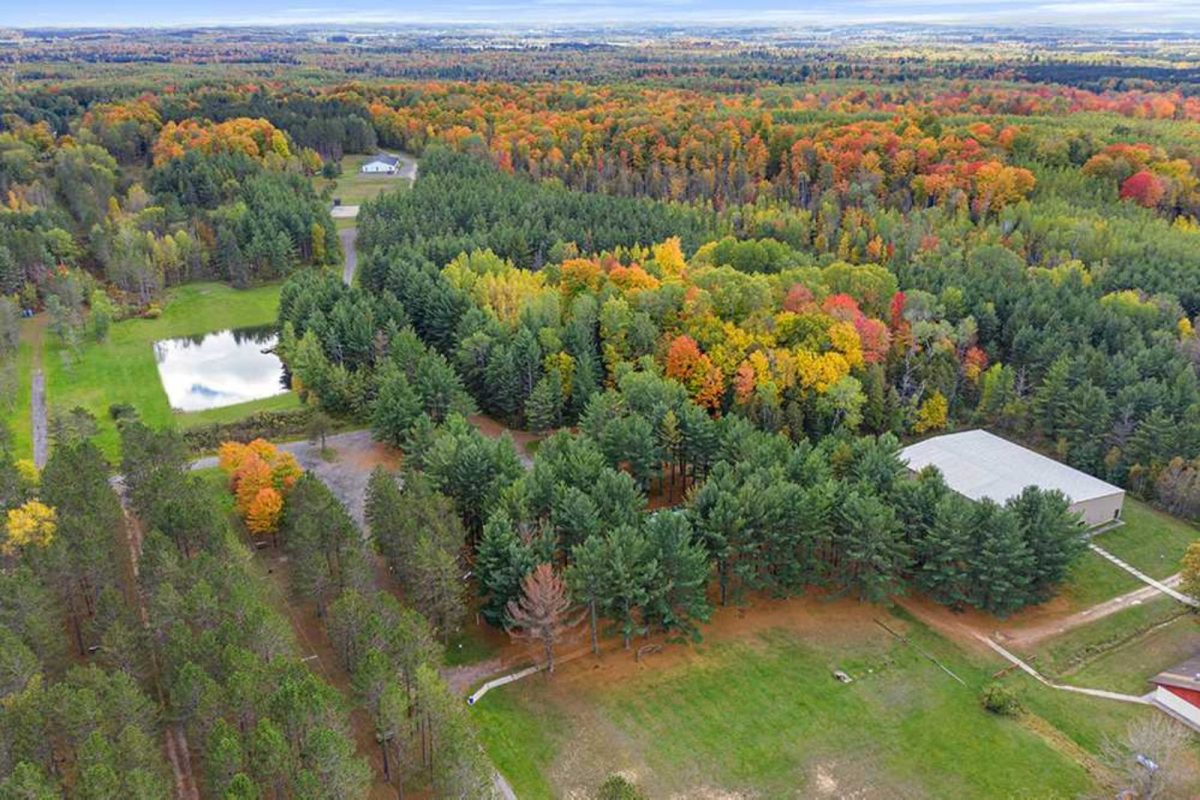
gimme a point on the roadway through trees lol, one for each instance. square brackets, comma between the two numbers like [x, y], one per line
[37, 404]
[349, 237]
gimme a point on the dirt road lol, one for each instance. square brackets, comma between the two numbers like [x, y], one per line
[37, 404]
[1024, 630]
[349, 238]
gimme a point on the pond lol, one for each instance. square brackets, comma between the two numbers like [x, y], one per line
[220, 369]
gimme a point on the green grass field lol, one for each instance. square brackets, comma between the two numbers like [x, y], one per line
[123, 370]
[1087, 722]
[764, 717]
[1150, 540]
[1094, 579]
[20, 422]
[1127, 667]
[279, 402]
[1068, 656]
[354, 188]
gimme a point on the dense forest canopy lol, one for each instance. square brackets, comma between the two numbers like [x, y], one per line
[1008, 216]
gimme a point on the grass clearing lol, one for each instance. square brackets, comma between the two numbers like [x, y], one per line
[122, 369]
[1150, 540]
[471, 645]
[523, 746]
[1087, 722]
[279, 402]
[1067, 657]
[20, 424]
[1094, 579]
[1126, 668]
[355, 188]
[764, 717]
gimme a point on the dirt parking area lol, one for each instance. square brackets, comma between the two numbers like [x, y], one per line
[345, 466]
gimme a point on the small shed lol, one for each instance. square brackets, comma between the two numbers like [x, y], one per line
[1177, 691]
[979, 465]
[381, 164]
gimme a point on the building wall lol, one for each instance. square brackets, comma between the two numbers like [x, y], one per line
[1166, 696]
[1100, 510]
[377, 168]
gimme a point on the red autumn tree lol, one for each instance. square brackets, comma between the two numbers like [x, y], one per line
[543, 612]
[842, 307]
[1144, 188]
[875, 338]
[799, 299]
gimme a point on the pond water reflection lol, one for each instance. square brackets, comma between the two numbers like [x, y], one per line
[220, 369]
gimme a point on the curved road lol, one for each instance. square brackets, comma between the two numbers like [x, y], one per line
[406, 170]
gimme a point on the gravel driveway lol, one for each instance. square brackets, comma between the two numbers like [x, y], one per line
[354, 455]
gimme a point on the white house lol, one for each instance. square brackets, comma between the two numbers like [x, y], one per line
[977, 464]
[381, 164]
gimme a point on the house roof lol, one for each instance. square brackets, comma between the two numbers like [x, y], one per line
[978, 465]
[1183, 676]
[383, 158]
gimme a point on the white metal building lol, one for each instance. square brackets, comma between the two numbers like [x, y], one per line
[977, 464]
[381, 164]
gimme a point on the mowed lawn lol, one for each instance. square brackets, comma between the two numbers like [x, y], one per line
[1067, 655]
[1150, 540]
[355, 188]
[122, 369]
[20, 424]
[763, 716]
[1127, 668]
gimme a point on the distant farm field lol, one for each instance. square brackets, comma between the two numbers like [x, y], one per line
[122, 369]
[760, 714]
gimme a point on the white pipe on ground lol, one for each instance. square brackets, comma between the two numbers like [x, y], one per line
[498, 682]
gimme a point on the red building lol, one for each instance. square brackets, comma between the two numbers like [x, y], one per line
[1177, 691]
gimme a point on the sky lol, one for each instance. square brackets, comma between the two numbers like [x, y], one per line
[1181, 15]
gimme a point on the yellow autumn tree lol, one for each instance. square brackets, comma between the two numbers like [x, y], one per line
[28, 471]
[669, 256]
[506, 294]
[932, 414]
[1189, 572]
[30, 525]
[265, 450]
[317, 236]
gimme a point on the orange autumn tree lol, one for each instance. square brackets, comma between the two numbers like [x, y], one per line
[260, 476]
[695, 370]
[256, 138]
[264, 513]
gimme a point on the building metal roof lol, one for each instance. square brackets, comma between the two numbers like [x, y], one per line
[977, 464]
[1184, 676]
[383, 158]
